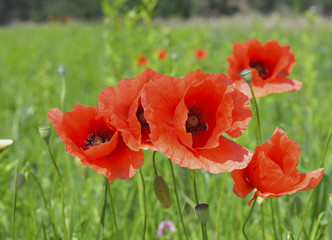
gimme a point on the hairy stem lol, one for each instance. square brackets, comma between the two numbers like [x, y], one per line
[177, 200]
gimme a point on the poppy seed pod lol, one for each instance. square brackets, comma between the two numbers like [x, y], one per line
[45, 133]
[202, 212]
[162, 192]
[247, 76]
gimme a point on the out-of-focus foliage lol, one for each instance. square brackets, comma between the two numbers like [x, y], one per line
[62, 10]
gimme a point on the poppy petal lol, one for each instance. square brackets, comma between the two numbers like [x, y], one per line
[227, 157]
[242, 186]
[121, 103]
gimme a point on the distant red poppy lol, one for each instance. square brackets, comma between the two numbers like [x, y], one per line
[68, 18]
[142, 60]
[270, 63]
[188, 116]
[100, 147]
[201, 54]
[162, 55]
[123, 108]
[272, 170]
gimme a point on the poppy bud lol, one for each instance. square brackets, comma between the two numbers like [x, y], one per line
[42, 217]
[202, 212]
[5, 143]
[162, 191]
[61, 69]
[174, 56]
[296, 206]
[45, 133]
[330, 199]
[247, 76]
[260, 200]
[20, 182]
[290, 236]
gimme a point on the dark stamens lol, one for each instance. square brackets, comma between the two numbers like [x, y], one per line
[141, 118]
[196, 123]
[95, 139]
[261, 69]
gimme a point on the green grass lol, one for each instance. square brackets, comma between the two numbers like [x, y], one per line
[96, 56]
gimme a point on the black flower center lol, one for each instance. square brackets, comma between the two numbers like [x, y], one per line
[261, 69]
[196, 123]
[141, 118]
[95, 139]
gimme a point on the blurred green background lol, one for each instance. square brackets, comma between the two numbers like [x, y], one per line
[97, 54]
[42, 10]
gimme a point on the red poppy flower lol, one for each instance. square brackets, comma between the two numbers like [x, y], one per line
[270, 63]
[100, 147]
[123, 108]
[272, 170]
[188, 116]
[201, 54]
[142, 60]
[162, 54]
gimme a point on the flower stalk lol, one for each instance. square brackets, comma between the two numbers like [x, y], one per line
[144, 199]
[203, 225]
[247, 218]
[113, 211]
[247, 76]
[14, 201]
[178, 201]
[102, 217]
[312, 192]
[45, 133]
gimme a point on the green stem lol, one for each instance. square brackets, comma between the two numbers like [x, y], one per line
[194, 186]
[278, 219]
[246, 221]
[325, 151]
[14, 202]
[63, 92]
[113, 210]
[290, 236]
[321, 215]
[102, 217]
[177, 200]
[203, 226]
[45, 203]
[312, 191]
[62, 192]
[204, 232]
[262, 221]
[144, 198]
[53, 161]
[154, 163]
[273, 222]
[259, 142]
[218, 227]
[44, 231]
[256, 112]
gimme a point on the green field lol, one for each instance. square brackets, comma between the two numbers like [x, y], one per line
[97, 55]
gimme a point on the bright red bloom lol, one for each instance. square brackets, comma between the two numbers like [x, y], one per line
[188, 116]
[142, 60]
[270, 63]
[99, 146]
[123, 108]
[201, 54]
[272, 170]
[162, 55]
